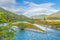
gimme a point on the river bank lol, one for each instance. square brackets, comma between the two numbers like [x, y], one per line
[34, 30]
[30, 29]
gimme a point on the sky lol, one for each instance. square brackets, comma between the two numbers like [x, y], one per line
[31, 7]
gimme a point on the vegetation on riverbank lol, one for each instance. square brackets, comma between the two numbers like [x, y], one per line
[7, 32]
[50, 24]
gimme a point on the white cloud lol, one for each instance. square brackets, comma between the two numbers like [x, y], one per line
[8, 4]
[37, 9]
[7, 1]
[28, 8]
[11, 5]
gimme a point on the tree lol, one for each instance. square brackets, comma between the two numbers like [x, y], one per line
[6, 32]
[2, 18]
[21, 26]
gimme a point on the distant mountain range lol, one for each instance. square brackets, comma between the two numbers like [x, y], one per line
[39, 16]
[10, 16]
[54, 16]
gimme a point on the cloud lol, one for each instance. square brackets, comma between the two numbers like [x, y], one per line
[9, 5]
[7, 1]
[38, 9]
[28, 8]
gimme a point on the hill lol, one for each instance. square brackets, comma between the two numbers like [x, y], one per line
[41, 17]
[54, 16]
[23, 18]
[9, 16]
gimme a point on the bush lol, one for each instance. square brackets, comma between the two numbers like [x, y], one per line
[21, 26]
[6, 33]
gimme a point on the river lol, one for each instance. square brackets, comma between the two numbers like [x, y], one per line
[50, 34]
[30, 35]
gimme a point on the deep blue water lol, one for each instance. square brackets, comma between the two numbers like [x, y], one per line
[30, 35]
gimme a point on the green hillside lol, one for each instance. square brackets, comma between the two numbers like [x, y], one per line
[23, 18]
[10, 16]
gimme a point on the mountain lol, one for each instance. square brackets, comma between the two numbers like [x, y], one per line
[1, 9]
[39, 16]
[23, 18]
[9, 16]
[54, 16]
